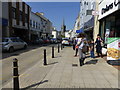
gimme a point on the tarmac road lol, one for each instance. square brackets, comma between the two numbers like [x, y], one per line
[26, 59]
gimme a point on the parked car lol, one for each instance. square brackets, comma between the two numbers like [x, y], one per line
[12, 43]
[66, 41]
[54, 40]
[37, 41]
[46, 41]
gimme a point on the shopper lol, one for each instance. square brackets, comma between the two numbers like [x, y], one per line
[76, 47]
[92, 48]
[81, 43]
[74, 43]
[98, 42]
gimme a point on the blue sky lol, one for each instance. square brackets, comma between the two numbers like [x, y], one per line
[56, 11]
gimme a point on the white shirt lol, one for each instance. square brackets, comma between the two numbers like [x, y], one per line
[80, 40]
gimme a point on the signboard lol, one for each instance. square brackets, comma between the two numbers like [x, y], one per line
[106, 7]
[107, 34]
[95, 13]
[113, 47]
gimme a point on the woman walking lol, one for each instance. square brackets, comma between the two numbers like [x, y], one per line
[81, 43]
[98, 45]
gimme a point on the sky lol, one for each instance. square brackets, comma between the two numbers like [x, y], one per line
[57, 11]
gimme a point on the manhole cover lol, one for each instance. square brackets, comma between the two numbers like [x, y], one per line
[74, 65]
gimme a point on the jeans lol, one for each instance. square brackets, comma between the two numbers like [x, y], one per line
[92, 54]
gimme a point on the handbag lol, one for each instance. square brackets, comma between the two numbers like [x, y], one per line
[85, 48]
[76, 47]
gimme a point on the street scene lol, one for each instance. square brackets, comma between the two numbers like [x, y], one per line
[60, 45]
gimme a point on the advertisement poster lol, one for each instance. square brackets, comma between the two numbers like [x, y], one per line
[113, 47]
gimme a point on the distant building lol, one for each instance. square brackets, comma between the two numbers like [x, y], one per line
[67, 34]
[55, 33]
[63, 28]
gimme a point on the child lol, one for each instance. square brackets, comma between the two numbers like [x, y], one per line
[92, 49]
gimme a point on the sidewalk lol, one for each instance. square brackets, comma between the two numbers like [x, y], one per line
[64, 71]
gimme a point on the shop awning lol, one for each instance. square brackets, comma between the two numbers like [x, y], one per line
[79, 31]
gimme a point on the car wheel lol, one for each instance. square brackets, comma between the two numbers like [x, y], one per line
[25, 46]
[11, 49]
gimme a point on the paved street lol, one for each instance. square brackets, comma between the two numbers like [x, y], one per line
[64, 71]
[26, 58]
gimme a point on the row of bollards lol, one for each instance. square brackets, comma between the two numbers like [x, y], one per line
[45, 60]
[15, 67]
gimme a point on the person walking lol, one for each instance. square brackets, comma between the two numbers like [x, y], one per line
[81, 43]
[76, 47]
[98, 42]
[92, 49]
[74, 43]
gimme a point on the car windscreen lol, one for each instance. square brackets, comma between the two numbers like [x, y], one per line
[4, 40]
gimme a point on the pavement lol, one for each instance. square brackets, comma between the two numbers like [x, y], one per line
[64, 71]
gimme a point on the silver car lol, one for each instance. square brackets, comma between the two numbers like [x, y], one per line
[12, 43]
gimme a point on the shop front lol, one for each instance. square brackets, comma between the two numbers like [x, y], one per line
[109, 17]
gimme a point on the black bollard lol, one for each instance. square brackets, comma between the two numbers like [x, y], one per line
[58, 49]
[52, 51]
[15, 75]
[45, 60]
[61, 46]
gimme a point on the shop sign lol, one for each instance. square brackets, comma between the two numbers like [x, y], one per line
[95, 13]
[110, 6]
[113, 48]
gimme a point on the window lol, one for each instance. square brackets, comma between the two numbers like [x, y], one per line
[21, 16]
[26, 18]
[31, 23]
[36, 25]
[13, 13]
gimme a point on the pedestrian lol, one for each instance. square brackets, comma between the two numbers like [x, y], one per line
[74, 43]
[91, 45]
[82, 42]
[76, 47]
[98, 43]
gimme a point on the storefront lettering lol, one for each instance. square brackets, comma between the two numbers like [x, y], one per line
[109, 7]
[116, 3]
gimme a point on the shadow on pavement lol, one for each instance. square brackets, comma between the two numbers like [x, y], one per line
[52, 63]
[57, 56]
[92, 61]
[33, 85]
[114, 62]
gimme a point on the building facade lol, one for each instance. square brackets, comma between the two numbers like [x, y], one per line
[109, 18]
[46, 26]
[35, 26]
[15, 20]
[76, 27]
[86, 17]
[54, 33]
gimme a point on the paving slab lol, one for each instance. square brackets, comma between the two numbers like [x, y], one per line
[64, 71]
